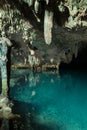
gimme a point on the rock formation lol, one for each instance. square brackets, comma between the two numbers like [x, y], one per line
[4, 44]
[56, 28]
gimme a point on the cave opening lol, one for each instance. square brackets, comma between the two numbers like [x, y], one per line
[79, 63]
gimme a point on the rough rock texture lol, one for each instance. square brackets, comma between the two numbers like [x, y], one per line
[4, 44]
[25, 27]
[5, 107]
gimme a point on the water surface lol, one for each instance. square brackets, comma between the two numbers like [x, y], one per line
[49, 100]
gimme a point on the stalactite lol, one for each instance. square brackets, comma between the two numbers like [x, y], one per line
[30, 2]
[48, 24]
[47, 1]
[36, 6]
[70, 3]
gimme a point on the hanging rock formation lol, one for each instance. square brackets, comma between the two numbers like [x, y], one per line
[58, 23]
[36, 6]
[48, 25]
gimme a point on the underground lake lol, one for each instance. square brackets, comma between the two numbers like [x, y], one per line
[48, 100]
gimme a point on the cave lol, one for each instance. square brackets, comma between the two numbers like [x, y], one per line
[80, 62]
[43, 63]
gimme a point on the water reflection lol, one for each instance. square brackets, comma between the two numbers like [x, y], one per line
[22, 123]
[26, 84]
[49, 101]
[24, 78]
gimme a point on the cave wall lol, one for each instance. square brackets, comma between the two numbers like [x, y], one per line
[27, 25]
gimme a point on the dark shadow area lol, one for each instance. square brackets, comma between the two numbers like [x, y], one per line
[26, 120]
[28, 13]
[79, 63]
[8, 67]
[61, 17]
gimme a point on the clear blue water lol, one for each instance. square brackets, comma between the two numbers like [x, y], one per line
[50, 101]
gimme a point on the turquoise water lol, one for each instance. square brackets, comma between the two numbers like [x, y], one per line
[50, 100]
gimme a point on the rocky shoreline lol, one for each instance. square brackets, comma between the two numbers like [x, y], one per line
[39, 68]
